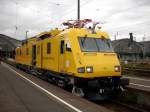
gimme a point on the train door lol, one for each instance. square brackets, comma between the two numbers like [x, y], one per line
[39, 55]
[34, 55]
[62, 56]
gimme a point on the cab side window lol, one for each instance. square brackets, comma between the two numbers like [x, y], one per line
[62, 46]
[48, 48]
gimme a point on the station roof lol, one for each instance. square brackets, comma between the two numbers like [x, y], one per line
[7, 43]
[126, 46]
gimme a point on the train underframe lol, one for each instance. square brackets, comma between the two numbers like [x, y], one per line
[94, 89]
[102, 88]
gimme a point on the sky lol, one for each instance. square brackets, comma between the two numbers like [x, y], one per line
[118, 17]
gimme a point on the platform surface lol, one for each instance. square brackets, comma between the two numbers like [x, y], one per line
[17, 95]
[22, 92]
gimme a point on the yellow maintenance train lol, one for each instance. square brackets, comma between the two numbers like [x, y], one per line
[77, 57]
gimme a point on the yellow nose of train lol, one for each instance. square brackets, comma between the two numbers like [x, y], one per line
[99, 65]
[93, 54]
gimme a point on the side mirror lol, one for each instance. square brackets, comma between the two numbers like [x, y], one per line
[68, 47]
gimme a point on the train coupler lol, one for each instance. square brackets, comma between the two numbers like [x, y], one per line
[77, 91]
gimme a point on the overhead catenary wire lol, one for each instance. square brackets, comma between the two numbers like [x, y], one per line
[73, 9]
[66, 13]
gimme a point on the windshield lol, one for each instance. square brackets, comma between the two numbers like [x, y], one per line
[95, 44]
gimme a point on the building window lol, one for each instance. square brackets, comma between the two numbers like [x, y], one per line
[48, 48]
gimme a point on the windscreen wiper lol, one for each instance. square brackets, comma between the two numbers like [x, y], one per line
[83, 41]
[97, 44]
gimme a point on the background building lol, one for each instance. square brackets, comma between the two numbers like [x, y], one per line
[130, 50]
[8, 45]
[146, 49]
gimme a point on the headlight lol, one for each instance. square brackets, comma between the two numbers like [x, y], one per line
[117, 68]
[81, 70]
[89, 69]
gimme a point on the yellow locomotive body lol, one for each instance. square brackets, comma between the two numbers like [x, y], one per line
[24, 53]
[74, 57]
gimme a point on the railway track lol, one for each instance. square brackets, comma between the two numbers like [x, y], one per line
[118, 106]
[127, 106]
[137, 69]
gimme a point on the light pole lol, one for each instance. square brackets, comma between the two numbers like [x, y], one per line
[27, 36]
[16, 24]
[78, 10]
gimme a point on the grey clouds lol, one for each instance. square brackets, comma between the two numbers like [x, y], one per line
[122, 16]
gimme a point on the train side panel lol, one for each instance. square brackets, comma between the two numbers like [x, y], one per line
[39, 54]
[66, 58]
[17, 56]
[24, 54]
[50, 49]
